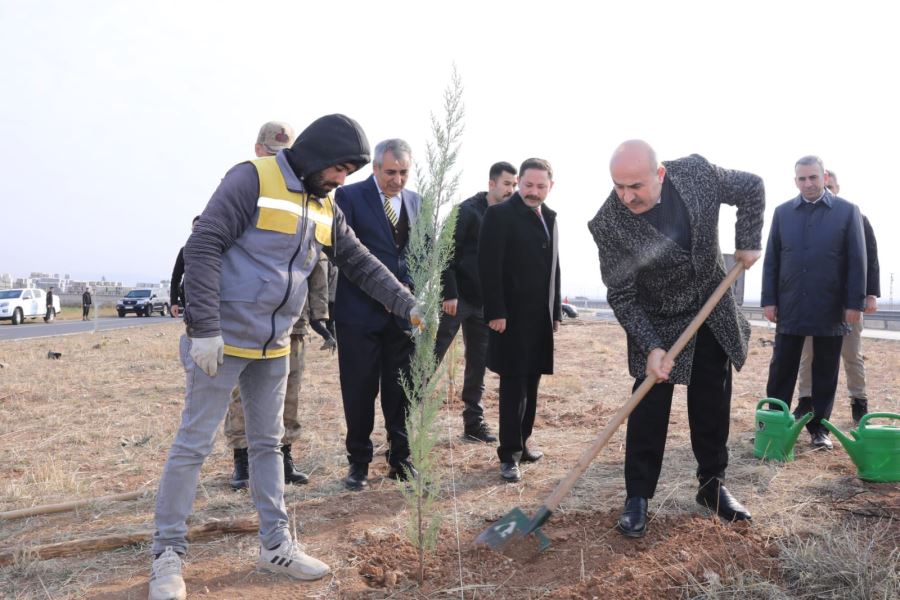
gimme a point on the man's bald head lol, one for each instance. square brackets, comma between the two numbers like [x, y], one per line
[637, 175]
[634, 152]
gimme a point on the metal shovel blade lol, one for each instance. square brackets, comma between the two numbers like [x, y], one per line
[514, 525]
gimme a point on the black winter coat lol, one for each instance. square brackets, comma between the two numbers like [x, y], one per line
[815, 265]
[873, 271]
[519, 272]
[460, 278]
[176, 283]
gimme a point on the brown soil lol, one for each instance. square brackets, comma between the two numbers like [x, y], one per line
[100, 421]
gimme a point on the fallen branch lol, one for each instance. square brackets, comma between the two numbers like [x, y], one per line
[66, 506]
[111, 542]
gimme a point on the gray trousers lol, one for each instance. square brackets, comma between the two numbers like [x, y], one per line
[235, 435]
[262, 384]
[854, 367]
[475, 337]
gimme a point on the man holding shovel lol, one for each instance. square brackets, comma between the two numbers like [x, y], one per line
[657, 236]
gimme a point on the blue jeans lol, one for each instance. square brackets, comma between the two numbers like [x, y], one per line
[262, 383]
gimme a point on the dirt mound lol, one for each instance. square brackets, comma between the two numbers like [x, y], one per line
[585, 551]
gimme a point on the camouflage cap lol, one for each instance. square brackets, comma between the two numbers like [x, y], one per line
[275, 136]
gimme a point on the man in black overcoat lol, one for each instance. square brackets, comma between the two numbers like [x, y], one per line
[518, 264]
[658, 238]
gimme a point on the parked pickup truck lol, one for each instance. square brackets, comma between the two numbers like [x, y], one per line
[26, 303]
[143, 302]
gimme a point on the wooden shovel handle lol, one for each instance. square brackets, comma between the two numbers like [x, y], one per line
[566, 485]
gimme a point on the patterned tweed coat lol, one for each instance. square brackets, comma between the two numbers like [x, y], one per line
[655, 287]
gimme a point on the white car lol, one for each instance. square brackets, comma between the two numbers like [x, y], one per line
[26, 303]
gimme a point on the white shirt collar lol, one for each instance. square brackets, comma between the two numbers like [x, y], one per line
[813, 201]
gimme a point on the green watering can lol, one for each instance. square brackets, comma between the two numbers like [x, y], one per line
[776, 430]
[874, 449]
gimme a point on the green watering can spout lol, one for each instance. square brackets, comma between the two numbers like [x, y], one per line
[851, 446]
[874, 449]
[795, 430]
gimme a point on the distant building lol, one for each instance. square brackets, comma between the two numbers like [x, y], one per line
[67, 285]
[164, 284]
[44, 281]
[99, 288]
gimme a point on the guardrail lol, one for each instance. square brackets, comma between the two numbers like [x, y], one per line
[882, 319]
[888, 320]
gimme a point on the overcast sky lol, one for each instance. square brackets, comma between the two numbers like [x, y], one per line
[120, 118]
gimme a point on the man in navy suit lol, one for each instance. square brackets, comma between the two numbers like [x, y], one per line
[373, 346]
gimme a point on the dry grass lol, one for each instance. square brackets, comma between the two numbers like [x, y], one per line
[100, 421]
[101, 308]
[850, 560]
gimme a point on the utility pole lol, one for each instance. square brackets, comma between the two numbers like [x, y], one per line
[892, 291]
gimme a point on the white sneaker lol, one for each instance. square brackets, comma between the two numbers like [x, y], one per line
[165, 577]
[289, 559]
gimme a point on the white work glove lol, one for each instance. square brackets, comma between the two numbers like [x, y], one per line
[417, 319]
[208, 353]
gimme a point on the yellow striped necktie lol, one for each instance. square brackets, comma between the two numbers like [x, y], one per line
[389, 210]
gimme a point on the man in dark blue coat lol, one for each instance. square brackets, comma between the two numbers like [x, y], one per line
[814, 284]
[851, 348]
[373, 345]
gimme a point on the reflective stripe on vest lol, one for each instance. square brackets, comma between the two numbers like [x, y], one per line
[280, 209]
[256, 353]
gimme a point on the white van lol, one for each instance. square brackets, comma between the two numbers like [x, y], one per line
[26, 303]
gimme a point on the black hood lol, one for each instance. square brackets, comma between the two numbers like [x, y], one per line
[328, 141]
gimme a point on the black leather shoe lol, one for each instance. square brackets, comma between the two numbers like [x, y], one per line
[713, 495]
[358, 476]
[510, 472]
[633, 522]
[480, 433]
[859, 408]
[291, 474]
[531, 456]
[403, 471]
[821, 440]
[240, 478]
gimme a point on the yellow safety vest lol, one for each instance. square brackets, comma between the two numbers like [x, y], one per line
[280, 209]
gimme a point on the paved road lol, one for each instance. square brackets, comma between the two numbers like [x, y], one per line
[39, 329]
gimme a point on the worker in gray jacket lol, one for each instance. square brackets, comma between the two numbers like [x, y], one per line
[246, 267]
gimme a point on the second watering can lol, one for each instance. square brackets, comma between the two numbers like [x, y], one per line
[776, 430]
[874, 449]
